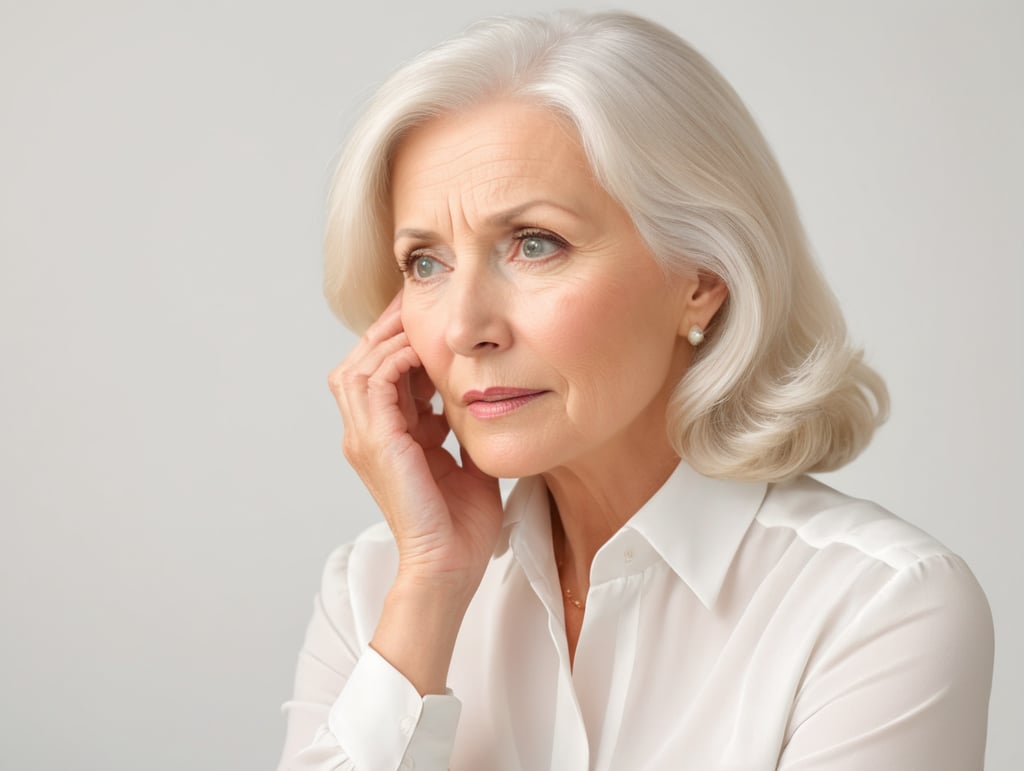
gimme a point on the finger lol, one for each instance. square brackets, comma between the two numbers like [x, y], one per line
[430, 430]
[388, 324]
[440, 462]
[422, 390]
[422, 385]
[391, 315]
[351, 373]
[350, 383]
[406, 401]
[382, 386]
[373, 418]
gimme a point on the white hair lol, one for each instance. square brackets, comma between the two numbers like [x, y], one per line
[776, 388]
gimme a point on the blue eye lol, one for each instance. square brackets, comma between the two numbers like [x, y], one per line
[423, 266]
[535, 246]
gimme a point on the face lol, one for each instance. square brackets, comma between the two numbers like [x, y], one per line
[551, 334]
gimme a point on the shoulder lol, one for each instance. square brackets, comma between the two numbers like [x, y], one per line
[891, 631]
[890, 577]
[824, 518]
[372, 547]
[357, 576]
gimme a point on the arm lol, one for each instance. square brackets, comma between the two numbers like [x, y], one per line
[351, 708]
[906, 685]
[445, 519]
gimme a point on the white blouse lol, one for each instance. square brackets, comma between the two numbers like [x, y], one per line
[729, 625]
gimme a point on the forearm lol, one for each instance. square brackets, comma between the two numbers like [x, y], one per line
[416, 633]
[351, 708]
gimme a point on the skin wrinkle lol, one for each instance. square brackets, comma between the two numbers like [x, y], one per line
[598, 326]
[505, 218]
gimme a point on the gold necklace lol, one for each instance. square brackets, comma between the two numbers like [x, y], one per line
[568, 591]
[560, 562]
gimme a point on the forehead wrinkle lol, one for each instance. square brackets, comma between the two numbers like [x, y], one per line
[484, 199]
[460, 154]
[470, 173]
[425, 182]
[495, 167]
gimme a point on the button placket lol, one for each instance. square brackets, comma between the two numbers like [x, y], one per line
[407, 725]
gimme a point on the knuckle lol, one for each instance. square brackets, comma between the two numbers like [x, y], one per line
[379, 381]
[351, 447]
[346, 380]
[335, 379]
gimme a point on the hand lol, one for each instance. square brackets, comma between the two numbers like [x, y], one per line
[445, 517]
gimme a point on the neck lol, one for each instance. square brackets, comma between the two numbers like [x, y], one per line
[592, 501]
[596, 494]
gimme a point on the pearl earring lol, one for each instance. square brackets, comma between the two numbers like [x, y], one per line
[695, 335]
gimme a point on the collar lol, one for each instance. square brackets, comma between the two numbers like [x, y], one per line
[693, 522]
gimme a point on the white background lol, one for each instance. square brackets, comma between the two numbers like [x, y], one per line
[170, 473]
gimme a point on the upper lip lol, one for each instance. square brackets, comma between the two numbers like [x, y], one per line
[497, 393]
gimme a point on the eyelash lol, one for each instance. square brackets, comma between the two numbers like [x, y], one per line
[528, 233]
[406, 261]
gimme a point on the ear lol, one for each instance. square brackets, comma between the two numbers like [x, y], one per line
[704, 294]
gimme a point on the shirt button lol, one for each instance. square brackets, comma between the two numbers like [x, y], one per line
[628, 556]
[406, 725]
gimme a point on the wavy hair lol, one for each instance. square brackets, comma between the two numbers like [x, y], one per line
[776, 389]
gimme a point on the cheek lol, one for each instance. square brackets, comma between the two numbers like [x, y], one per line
[611, 344]
[573, 336]
[417, 327]
[587, 328]
[425, 337]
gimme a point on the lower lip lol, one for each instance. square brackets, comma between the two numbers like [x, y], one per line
[481, 409]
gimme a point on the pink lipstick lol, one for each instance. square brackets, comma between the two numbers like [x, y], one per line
[498, 401]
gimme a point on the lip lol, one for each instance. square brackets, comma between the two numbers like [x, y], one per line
[499, 401]
[498, 393]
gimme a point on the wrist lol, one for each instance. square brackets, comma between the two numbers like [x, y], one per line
[438, 590]
[417, 630]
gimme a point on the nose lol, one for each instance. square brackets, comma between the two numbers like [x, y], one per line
[477, 302]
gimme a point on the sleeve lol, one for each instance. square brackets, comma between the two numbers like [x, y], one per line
[906, 685]
[351, 709]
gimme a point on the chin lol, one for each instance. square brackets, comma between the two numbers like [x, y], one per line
[505, 457]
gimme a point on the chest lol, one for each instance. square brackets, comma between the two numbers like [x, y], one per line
[646, 678]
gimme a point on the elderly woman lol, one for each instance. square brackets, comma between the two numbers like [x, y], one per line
[570, 230]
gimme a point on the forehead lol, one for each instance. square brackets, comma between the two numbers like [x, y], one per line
[492, 154]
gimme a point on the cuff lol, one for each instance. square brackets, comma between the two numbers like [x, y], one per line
[381, 720]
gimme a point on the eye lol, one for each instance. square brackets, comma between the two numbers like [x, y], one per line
[536, 245]
[423, 266]
[420, 267]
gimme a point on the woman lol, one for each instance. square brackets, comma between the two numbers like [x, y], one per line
[571, 230]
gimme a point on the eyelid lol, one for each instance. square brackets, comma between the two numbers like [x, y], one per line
[407, 265]
[532, 232]
[406, 259]
[524, 234]
[520, 234]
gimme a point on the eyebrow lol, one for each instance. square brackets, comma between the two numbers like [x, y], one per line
[506, 218]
